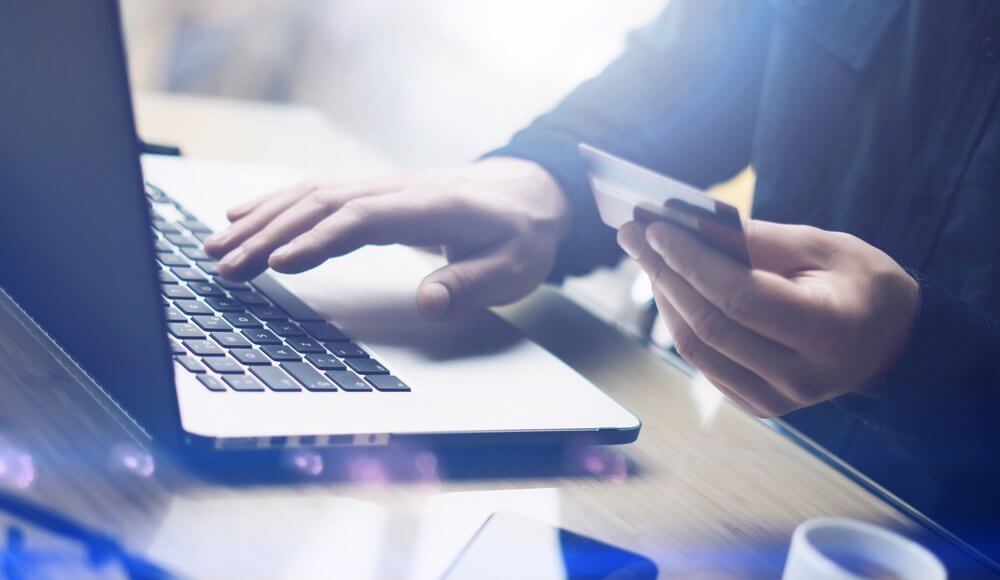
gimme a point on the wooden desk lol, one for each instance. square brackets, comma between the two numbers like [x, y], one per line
[707, 491]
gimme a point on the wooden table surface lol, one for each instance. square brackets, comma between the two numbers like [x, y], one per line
[706, 491]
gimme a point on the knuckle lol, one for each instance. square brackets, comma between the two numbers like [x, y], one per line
[355, 211]
[254, 245]
[460, 282]
[326, 199]
[687, 345]
[660, 275]
[710, 325]
[738, 303]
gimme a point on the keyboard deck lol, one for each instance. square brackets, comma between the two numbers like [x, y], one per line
[248, 337]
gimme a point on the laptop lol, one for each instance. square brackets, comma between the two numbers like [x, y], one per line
[108, 264]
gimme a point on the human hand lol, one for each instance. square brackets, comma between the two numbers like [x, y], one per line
[499, 221]
[819, 315]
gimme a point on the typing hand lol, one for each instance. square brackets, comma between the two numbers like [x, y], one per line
[820, 314]
[499, 222]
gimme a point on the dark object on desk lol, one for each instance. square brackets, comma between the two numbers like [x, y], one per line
[148, 148]
[513, 546]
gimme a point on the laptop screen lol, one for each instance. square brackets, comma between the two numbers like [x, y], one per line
[75, 246]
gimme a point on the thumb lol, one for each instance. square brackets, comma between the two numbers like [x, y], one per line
[470, 285]
[784, 248]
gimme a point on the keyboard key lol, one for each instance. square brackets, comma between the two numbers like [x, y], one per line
[242, 320]
[304, 345]
[194, 308]
[275, 379]
[162, 246]
[177, 292]
[224, 366]
[231, 340]
[195, 226]
[184, 330]
[249, 356]
[366, 366]
[243, 383]
[182, 240]
[348, 381]
[211, 323]
[308, 376]
[346, 350]
[387, 383]
[323, 332]
[175, 347]
[326, 362]
[250, 298]
[204, 348]
[171, 259]
[189, 274]
[190, 363]
[165, 227]
[166, 277]
[173, 315]
[212, 383]
[268, 313]
[225, 305]
[281, 353]
[206, 289]
[229, 284]
[260, 336]
[202, 236]
[196, 254]
[286, 328]
[210, 268]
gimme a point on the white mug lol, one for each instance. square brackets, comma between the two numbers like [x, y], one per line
[844, 549]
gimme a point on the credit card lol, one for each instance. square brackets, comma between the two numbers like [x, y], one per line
[625, 191]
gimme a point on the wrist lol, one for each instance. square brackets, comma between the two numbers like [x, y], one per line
[547, 204]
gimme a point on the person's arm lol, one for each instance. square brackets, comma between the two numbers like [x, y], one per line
[681, 99]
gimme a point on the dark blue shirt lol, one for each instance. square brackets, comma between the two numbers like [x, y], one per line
[874, 117]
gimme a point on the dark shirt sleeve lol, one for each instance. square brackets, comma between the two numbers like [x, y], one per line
[941, 397]
[681, 99]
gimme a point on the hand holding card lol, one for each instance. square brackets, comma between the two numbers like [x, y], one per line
[625, 192]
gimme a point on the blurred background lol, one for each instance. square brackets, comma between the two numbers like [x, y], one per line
[425, 82]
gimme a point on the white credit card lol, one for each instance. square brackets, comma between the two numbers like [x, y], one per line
[627, 192]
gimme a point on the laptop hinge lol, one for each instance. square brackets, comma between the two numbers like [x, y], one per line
[371, 439]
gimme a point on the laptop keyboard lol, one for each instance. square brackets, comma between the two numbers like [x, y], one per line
[249, 337]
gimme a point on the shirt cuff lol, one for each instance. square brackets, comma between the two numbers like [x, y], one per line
[940, 382]
[589, 243]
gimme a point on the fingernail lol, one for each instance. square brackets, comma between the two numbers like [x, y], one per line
[282, 253]
[233, 258]
[653, 240]
[622, 242]
[217, 238]
[436, 300]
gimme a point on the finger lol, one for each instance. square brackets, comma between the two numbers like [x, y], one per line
[762, 301]
[773, 362]
[239, 211]
[632, 239]
[227, 240]
[475, 283]
[785, 248]
[407, 217]
[308, 211]
[741, 385]
[677, 327]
